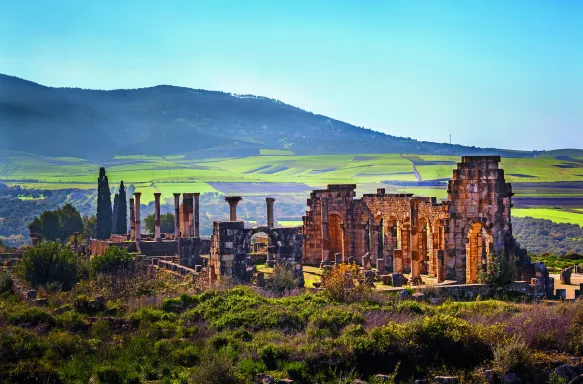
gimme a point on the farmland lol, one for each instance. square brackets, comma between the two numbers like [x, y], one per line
[548, 186]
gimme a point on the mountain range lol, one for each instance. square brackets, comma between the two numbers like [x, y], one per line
[168, 120]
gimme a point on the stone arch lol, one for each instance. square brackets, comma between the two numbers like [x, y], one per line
[273, 237]
[479, 246]
[335, 233]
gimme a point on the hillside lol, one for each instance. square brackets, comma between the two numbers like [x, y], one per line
[166, 120]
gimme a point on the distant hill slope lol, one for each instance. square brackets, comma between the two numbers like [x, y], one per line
[165, 120]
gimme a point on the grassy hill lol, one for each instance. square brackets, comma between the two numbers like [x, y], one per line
[167, 120]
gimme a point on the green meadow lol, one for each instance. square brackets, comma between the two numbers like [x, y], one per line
[293, 175]
[556, 215]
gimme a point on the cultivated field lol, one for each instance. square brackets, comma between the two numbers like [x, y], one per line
[550, 186]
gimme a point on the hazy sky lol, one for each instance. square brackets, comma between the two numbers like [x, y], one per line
[492, 73]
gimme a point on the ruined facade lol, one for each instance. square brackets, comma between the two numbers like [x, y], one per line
[231, 244]
[402, 233]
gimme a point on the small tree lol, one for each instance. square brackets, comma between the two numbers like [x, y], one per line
[51, 262]
[499, 270]
[89, 226]
[338, 283]
[57, 225]
[104, 215]
[166, 223]
[121, 217]
[112, 260]
[114, 217]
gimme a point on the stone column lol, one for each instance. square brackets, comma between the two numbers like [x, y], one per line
[233, 201]
[157, 236]
[415, 254]
[270, 221]
[137, 196]
[132, 220]
[196, 214]
[185, 215]
[176, 215]
[324, 229]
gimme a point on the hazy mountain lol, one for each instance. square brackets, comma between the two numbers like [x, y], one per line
[166, 120]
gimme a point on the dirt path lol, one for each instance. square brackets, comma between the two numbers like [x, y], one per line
[417, 175]
[576, 279]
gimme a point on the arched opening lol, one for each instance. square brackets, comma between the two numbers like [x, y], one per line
[335, 235]
[426, 248]
[258, 243]
[261, 244]
[478, 249]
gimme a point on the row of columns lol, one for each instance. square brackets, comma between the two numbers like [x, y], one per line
[135, 223]
[188, 199]
[234, 200]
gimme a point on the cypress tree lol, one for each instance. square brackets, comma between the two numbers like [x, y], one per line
[104, 215]
[121, 224]
[114, 217]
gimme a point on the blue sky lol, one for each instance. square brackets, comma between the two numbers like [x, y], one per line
[503, 73]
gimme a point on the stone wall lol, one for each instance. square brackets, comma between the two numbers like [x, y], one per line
[231, 243]
[100, 246]
[450, 240]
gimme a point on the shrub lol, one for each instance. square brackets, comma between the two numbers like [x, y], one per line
[500, 270]
[51, 263]
[329, 322]
[83, 305]
[281, 280]
[112, 260]
[30, 316]
[5, 282]
[512, 356]
[214, 368]
[339, 284]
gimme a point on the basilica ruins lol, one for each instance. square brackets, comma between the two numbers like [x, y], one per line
[392, 233]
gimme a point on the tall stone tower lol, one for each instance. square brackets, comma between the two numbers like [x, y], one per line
[480, 223]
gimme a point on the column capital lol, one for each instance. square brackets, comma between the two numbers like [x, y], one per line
[157, 194]
[269, 200]
[176, 194]
[196, 194]
[233, 200]
[137, 194]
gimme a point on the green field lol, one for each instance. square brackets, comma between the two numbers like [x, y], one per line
[555, 215]
[394, 172]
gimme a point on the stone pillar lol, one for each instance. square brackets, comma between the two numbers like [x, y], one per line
[270, 221]
[34, 239]
[137, 196]
[440, 266]
[132, 220]
[233, 201]
[324, 229]
[186, 215]
[416, 247]
[196, 214]
[176, 215]
[157, 236]
[415, 254]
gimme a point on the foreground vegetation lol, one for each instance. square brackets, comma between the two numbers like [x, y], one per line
[123, 323]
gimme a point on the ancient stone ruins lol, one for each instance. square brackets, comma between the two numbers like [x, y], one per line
[392, 233]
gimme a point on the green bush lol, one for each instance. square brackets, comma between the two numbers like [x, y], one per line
[214, 368]
[112, 260]
[500, 270]
[513, 356]
[82, 304]
[329, 322]
[282, 279]
[6, 282]
[30, 317]
[51, 262]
